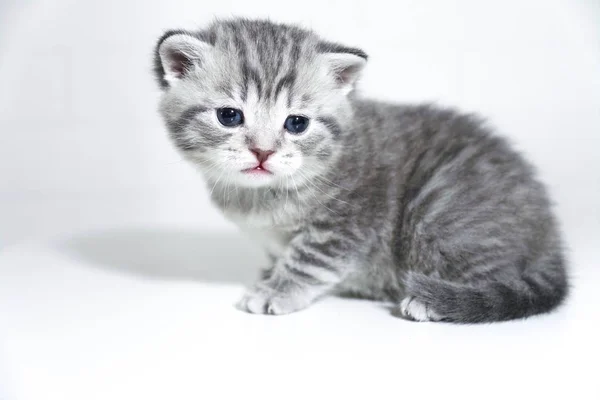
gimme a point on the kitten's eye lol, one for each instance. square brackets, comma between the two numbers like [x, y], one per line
[296, 124]
[230, 117]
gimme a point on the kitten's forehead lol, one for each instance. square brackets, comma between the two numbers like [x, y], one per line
[262, 42]
[263, 57]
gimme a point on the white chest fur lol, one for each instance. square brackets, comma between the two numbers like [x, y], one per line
[273, 235]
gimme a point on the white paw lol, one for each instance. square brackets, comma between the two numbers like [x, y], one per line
[266, 301]
[411, 308]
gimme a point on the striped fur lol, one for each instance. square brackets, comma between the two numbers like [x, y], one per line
[418, 205]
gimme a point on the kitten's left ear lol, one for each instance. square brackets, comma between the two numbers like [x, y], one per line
[345, 63]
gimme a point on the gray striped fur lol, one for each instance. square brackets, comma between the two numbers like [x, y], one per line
[418, 205]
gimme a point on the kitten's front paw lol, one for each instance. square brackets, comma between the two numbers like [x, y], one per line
[262, 300]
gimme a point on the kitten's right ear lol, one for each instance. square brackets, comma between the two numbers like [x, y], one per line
[176, 54]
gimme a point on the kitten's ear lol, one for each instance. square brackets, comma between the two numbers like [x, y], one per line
[177, 53]
[345, 63]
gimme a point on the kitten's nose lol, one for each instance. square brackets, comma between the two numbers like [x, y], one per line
[262, 155]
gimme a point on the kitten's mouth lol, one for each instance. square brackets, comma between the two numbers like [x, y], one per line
[258, 170]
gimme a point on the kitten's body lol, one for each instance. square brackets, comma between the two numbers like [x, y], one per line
[416, 205]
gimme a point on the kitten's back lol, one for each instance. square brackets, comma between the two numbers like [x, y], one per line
[473, 234]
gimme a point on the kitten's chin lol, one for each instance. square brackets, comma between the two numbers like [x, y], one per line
[254, 178]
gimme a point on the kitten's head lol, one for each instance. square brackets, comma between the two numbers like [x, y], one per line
[254, 102]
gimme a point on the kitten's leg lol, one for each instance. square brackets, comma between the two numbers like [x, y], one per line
[266, 272]
[309, 268]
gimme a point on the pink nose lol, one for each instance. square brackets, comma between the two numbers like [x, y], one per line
[262, 155]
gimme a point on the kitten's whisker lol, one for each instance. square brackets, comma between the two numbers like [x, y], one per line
[300, 198]
[214, 165]
[237, 195]
[313, 193]
[325, 193]
[322, 178]
[328, 182]
[296, 187]
[217, 181]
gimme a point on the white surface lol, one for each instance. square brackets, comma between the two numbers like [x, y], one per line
[117, 277]
[124, 315]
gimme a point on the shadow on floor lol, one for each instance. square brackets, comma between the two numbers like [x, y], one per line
[170, 254]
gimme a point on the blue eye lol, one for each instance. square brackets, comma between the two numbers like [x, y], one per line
[296, 124]
[230, 117]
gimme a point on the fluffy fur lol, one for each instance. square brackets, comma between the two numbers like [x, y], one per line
[417, 205]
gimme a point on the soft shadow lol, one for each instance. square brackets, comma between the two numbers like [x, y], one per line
[170, 254]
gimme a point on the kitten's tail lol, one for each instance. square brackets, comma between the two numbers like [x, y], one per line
[538, 291]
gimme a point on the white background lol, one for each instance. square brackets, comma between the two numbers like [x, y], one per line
[117, 276]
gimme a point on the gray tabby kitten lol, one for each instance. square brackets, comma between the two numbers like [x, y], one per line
[416, 205]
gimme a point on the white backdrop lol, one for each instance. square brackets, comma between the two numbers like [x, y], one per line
[81, 145]
[117, 276]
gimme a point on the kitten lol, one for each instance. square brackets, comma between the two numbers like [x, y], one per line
[416, 205]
